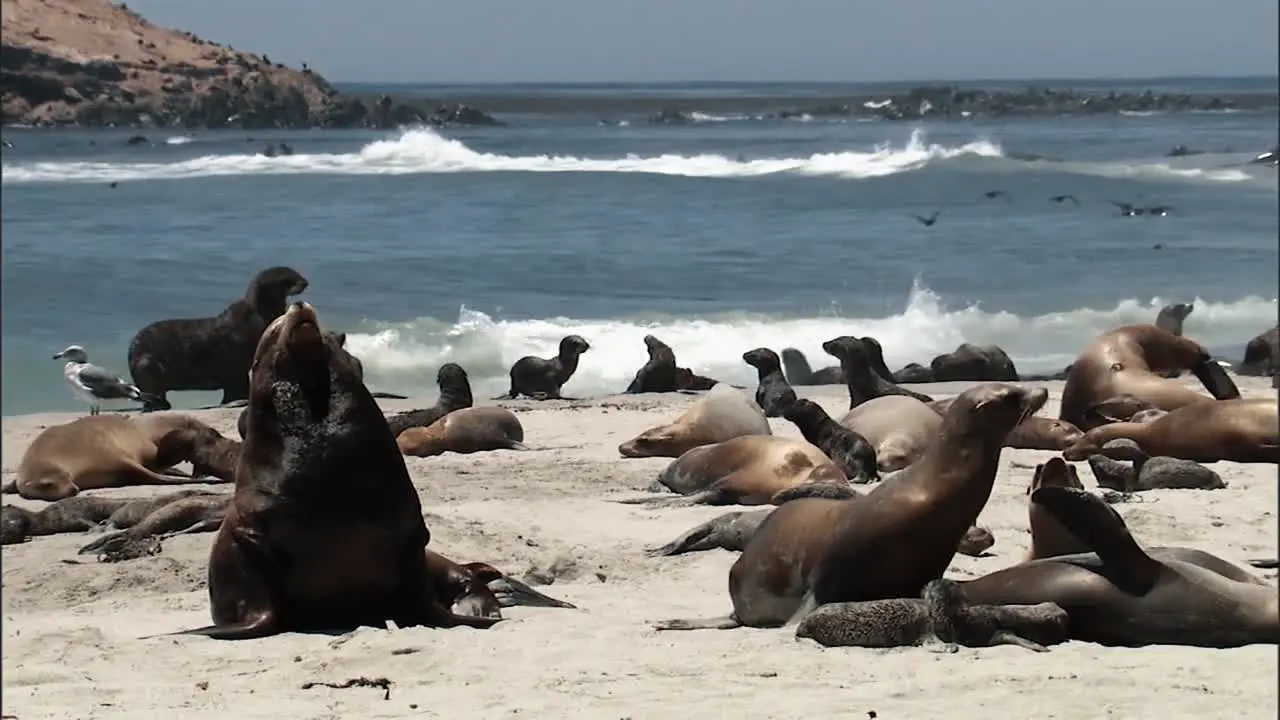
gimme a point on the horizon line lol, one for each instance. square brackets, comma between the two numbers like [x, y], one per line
[917, 81]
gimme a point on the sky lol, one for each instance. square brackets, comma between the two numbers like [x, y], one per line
[439, 41]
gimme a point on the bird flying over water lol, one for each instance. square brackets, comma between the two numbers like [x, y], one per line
[92, 383]
[1157, 210]
[993, 194]
[1127, 209]
[1063, 198]
[928, 221]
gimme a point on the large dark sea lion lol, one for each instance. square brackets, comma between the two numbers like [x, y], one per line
[325, 530]
[887, 544]
[106, 451]
[542, 378]
[212, 353]
[1242, 430]
[973, 363]
[773, 393]
[857, 365]
[469, 430]
[799, 372]
[455, 394]
[851, 452]
[1117, 593]
[1130, 361]
[722, 414]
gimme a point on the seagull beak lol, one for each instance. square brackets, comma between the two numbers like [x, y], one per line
[58, 356]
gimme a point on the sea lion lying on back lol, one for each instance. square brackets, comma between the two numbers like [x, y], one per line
[469, 430]
[210, 353]
[722, 414]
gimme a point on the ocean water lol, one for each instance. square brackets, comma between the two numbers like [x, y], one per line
[479, 246]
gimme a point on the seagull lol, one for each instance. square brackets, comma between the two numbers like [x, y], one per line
[928, 221]
[993, 194]
[1159, 210]
[1128, 210]
[92, 383]
[1063, 198]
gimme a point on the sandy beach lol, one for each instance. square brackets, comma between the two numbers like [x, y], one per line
[72, 646]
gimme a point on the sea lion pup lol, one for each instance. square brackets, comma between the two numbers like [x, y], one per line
[722, 414]
[1120, 594]
[748, 470]
[940, 620]
[455, 394]
[469, 430]
[1151, 473]
[105, 451]
[798, 371]
[325, 529]
[479, 589]
[888, 543]
[74, 514]
[658, 374]
[1262, 354]
[847, 449]
[1243, 430]
[860, 376]
[1034, 433]
[210, 353]
[179, 516]
[1128, 361]
[541, 378]
[732, 531]
[773, 393]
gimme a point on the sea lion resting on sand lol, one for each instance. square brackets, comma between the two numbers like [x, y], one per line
[1117, 593]
[773, 394]
[732, 531]
[1242, 430]
[325, 530]
[940, 620]
[194, 513]
[899, 536]
[211, 353]
[1129, 361]
[748, 470]
[469, 430]
[1034, 433]
[900, 428]
[104, 451]
[722, 414]
[1151, 473]
[542, 378]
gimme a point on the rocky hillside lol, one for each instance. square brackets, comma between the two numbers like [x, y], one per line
[96, 63]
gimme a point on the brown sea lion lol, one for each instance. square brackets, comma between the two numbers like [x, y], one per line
[179, 516]
[455, 394]
[1242, 430]
[747, 470]
[857, 365]
[325, 529]
[1034, 433]
[542, 378]
[469, 430]
[104, 451]
[722, 414]
[895, 539]
[211, 353]
[1122, 595]
[658, 374]
[900, 428]
[1171, 317]
[1048, 536]
[1129, 361]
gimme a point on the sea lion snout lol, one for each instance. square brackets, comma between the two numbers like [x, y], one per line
[301, 332]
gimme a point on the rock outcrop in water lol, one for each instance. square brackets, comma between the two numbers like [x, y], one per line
[94, 63]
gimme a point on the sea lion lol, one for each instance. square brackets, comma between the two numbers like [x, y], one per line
[1034, 433]
[658, 374]
[847, 449]
[940, 618]
[798, 371]
[103, 451]
[747, 470]
[1171, 317]
[210, 353]
[1146, 473]
[722, 414]
[898, 537]
[1048, 536]
[860, 376]
[732, 531]
[469, 430]
[478, 589]
[687, 379]
[542, 378]
[973, 363]
[1128, 361]
[773, 394]
[1262, 354]
[1119, 594]
[900, 428]
[1243, 430]
[325, 529]
[178, 516]
[73, 514]
[455, 394]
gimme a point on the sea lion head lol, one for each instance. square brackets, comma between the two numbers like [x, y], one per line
[650, 443]
[15, 525]
[454, 385]
[300, 374]
[573, 345]
[762, 359]
[851, 352]
[282, 279]
[991, 410]
[1055, 471]
[653, 344]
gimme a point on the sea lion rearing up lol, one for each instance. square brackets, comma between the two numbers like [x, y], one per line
[857, 364]
[1119, 594]
[658, 374]
[1242, 430]
[455, 394]
[211, 353]
[747, 470]
[847, 449]
[542, 378]
[104, 451]
[888, 543]
[773, 393]
[1129, 361]
[325, 529]
[722, 414]
[469, 430]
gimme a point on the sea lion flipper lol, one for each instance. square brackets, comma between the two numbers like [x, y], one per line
[10, 487]
[389, 396]
[728, 622]
[935, 644]
[511, 592]
[1215, 379]
[1007, 637]
[1265, 563]
[258, 625]
[1101, 528]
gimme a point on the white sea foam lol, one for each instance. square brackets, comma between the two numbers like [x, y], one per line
[177, 140]
[404, 357]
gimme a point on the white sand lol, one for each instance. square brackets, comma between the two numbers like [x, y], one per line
[72, 647]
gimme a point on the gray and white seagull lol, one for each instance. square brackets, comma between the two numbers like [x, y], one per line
[92, 383]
